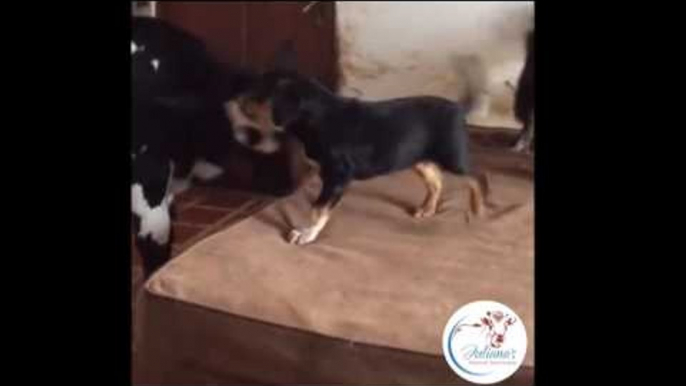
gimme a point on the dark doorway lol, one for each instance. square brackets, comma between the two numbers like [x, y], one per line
[248, 33]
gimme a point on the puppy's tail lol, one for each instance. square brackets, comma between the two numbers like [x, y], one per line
[471, 73]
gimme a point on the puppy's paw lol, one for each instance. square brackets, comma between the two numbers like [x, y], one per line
[424, 211]
[302, 236]
[522, 146]
[179, 186]
[473, 216]
[206, 171]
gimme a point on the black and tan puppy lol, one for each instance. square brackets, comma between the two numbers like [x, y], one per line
[525, 99]
[357, 140]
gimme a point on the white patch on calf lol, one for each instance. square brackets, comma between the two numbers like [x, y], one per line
[142, 150]
[136, 48]
[155, 64]
[155, 222]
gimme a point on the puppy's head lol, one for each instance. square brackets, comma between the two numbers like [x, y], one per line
[272, 103]
[252, 124]
[286, 95]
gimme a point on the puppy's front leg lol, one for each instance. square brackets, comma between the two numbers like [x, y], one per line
[301, 236]
[334, 184]
[431, 174]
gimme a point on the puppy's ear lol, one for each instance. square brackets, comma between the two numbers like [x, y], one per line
[286, 58]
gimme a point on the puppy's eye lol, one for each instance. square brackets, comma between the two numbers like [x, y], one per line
[248, 113]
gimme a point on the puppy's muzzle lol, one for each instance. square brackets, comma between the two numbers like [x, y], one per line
[254, 139]
[250, 133]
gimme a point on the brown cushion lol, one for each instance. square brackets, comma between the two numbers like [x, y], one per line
[376, 275]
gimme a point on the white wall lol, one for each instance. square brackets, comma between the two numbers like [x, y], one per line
[392, 49]
[144, 8]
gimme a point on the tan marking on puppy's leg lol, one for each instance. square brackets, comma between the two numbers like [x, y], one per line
[526, 138]
[478, 192]
[320, 217]
[431, 175]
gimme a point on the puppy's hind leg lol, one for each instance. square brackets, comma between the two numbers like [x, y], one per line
[431, 175]
[525, 141]
[478, 191]
[477, 182]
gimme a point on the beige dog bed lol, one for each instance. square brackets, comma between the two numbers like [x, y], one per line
[365, 304]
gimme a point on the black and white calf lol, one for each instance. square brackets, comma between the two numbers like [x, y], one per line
[180, 131]
[170, 148]
[167, 61]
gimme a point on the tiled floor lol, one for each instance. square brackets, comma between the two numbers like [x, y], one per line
[199, 212]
